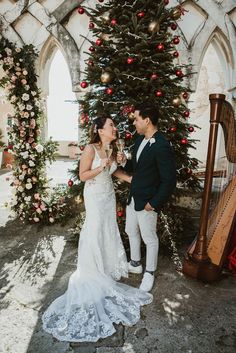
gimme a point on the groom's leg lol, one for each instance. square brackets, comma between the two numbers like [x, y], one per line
[147, 221]
[132, 229]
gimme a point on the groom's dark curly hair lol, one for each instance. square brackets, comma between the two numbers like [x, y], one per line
[148, 111]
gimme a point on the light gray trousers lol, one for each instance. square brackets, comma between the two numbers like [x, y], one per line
[142, 224]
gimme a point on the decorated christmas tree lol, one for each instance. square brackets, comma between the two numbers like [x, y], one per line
[133, 57]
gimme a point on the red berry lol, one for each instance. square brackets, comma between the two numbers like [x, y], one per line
[120, 213]
[173, 26]
[159, 93]
[113, 22]
[81, 148]
[128, 135]
[84, 84]
[80, 10]
[179, 73]
[141, 14]
[70, 183]
[109, 91]
[191, 129]
[98, 42]
[184, 141]
[185, 95]
[160, 47]
[91, 25]
[130, 61]
[176, 54]
[90, 63]
[173, 129]
[186, 113]
[91, 49]
[176, 40]
[154, 76]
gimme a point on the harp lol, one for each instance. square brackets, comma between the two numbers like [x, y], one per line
[207, 254]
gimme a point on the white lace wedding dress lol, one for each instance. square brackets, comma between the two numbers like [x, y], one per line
[94, 300]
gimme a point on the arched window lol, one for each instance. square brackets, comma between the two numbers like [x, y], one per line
[62, 113]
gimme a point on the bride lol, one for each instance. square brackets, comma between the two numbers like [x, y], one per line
[94, 299]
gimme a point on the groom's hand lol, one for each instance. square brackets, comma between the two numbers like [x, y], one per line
[148, 207]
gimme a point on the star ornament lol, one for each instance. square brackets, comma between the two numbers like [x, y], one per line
[152, 140]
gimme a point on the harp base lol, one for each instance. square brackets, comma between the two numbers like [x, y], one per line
[205, 271]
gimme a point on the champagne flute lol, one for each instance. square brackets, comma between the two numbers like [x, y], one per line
[108, 151]
[120, 144]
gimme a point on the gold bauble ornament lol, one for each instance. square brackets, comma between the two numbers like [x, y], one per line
[154, 27]
[176, 14]
[105, 77]
[131, 116]
[176, 102]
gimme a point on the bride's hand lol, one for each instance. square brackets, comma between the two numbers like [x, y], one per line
[129, 179]
[104, 162]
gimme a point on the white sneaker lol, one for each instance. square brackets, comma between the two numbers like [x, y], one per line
[147, 282]
[135, 269]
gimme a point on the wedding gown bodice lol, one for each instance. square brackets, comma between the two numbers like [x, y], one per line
[103, 181]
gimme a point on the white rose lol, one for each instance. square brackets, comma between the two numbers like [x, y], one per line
[25, 72]
[25, 154]
[29, 107]
[33, 93]
[39, 148]
[151, 141]
[31, 164]
[28, 186]
[25, 97]
[20, 188]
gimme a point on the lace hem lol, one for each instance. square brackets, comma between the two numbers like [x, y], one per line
[90, 322]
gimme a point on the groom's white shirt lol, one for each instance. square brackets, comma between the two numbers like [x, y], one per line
[141, 147]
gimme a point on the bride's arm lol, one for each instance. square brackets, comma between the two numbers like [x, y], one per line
[86, 160]
[121, 175]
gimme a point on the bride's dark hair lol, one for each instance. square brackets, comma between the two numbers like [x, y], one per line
[98, 123]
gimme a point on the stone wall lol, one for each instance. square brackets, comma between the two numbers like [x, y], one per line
[208, 28]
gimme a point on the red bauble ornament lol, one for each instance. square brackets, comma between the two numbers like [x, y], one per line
[191, 129]
[81, 148]
[130, 61]
[176, 40]
[186, 113]
[173, 129]
[84, 84]
[176, 54]
[160, 47]
[141, 14]
[100, 0]
[188, 170]
[120, 213]
[179, 73]
[109, 90]
[185, 95]
[166, 2]
[113, 22]
[90, 63]
[154, 76]
[80, 10]
[91, 49]
[70, 182]
[173, 26]
[184, 141]
[127, 109]
[128, 135]
[91, 25]
[159, 93]
[98, 42]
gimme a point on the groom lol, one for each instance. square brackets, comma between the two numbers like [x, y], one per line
[154, 179]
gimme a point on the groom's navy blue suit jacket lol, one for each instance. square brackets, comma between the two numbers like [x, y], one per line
[154, 175]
